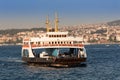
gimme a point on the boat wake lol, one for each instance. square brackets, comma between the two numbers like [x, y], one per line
[6, 59]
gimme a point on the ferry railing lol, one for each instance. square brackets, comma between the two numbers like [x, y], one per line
[45, 45]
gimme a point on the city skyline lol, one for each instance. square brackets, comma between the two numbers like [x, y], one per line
[32, 13]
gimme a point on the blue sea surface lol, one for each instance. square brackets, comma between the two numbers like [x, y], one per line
[103, 63]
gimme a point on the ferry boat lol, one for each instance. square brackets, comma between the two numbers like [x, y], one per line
[53, 48]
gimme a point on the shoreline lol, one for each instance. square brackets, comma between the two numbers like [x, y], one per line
[20, 44]
[104, 43]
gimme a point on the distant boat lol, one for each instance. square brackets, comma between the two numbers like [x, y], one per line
[107, 45]
[54, 49]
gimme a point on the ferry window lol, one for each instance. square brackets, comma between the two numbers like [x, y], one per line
[67, 42]
[52, 42]
[31, 43]
[55, 42]
[25, 53]
[38, 42]
[59, 35]
[75, 42]
[25, 42]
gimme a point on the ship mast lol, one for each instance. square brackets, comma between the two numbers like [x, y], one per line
[56, 22]
[47, 24]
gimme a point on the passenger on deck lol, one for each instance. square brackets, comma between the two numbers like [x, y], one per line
[81, 52]
[35, 54]
[71, 51]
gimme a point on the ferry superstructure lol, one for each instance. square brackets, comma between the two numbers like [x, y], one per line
[53, 48]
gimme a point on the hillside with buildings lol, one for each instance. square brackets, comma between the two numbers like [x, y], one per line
[91, 33]
[114, 23]
[14, 36]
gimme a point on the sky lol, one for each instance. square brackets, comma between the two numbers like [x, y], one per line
[32, 13]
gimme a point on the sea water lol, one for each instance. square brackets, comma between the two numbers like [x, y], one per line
[103, 63]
